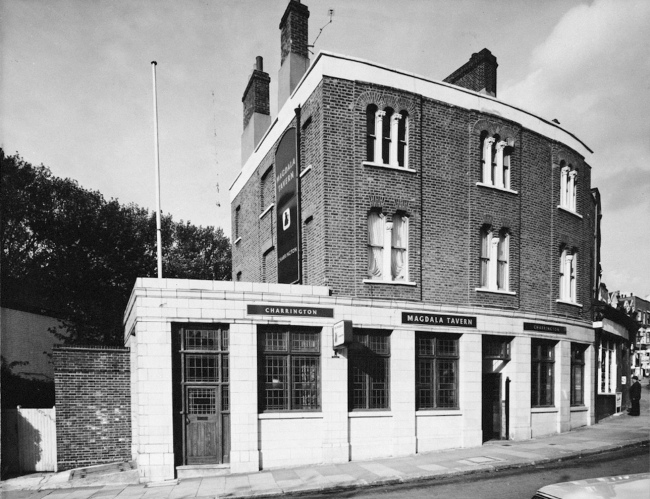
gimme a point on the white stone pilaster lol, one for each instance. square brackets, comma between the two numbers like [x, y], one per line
[244, 450]
[402, 391]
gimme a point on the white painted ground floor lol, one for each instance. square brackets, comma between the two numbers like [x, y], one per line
[244, 376]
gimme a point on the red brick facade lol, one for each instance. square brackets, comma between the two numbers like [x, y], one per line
[93, 406]
[445, 205]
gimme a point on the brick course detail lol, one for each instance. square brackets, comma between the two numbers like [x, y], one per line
[93, 406]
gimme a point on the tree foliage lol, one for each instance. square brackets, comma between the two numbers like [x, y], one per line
[67, 249]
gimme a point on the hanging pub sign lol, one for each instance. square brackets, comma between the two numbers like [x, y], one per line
[341, 334]
[287, 209]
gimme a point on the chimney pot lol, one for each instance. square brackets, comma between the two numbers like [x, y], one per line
[259, 63]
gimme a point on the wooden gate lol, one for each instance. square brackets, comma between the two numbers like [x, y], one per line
[30, 435]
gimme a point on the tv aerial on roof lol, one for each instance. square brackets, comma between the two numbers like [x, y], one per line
[330, 13]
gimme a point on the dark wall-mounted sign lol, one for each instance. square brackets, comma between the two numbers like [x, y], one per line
[287, 208]
[289, 310]
[544, 328]
[438, 319]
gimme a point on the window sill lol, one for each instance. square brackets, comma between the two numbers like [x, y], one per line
[567, 210]
[393, 283]
[572, 303]
[361, 413]
[579, 408]
[388, 167]
[290, 415]
[266, 210]
[541, 410]
[496, 291]
[237, 240]
[502, 189]
[438, 412]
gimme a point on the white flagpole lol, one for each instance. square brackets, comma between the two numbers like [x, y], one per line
[155, 124]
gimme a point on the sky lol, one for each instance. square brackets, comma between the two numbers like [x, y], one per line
[76, 91]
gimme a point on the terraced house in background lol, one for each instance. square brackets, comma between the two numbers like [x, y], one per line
[414, 263]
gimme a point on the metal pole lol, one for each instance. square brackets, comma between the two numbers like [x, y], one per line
[155, 124]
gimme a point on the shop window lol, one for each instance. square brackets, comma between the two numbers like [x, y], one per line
[577, 374]
[568, 187]
[495, 256]
[567, 271]
[289, 368]
[369, 370]
[607, 367]
[436, 361]
[495, 161]
[387, 135]
[543, 373]
[388, 247]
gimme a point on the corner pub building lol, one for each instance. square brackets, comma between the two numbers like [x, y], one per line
[413, 267]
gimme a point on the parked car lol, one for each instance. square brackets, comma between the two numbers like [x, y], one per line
[610, 487]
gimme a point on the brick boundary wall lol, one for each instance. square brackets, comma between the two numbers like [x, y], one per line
[93, 405]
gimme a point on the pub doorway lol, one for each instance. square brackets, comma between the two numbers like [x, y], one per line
[201, 395]
[495, 395]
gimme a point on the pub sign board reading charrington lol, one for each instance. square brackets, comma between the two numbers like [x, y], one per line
[287, 209]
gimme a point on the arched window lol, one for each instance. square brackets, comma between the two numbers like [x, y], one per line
[388, 247]
[567, 273]
[371, 137]
[402, 140]
[376, 223]
[387, 136]
[495, 260]
[568, 186]
[399, 248]
[495, 161]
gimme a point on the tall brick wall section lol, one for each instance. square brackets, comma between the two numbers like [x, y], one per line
[93, 405]
[445, 205]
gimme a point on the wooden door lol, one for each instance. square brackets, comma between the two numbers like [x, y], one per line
[206, 432]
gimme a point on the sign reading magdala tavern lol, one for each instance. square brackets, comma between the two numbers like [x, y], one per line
[289, 310]
[544, 328]
[438, 319]
[287, 210]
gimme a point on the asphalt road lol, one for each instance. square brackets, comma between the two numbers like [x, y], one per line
[512, 484]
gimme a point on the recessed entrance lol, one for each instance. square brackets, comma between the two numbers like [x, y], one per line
[495, 397]
[491, 407]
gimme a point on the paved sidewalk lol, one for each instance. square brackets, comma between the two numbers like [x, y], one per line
[613, 433]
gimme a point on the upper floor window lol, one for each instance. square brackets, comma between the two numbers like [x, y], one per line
[568, 186]
[387, 135]
[495, 256]
[388, 247]
[495, 161]
[568, 265]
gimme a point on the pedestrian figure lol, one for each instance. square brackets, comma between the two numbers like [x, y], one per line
[635, 397]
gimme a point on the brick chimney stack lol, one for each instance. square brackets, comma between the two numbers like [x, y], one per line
[479, 74]
[294, 29]
[257, 112]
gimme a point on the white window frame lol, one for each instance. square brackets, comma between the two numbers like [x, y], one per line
[495, 165]
[568, 273]
[607, 351]
[493, 242]
[393, 140]
[569, 189]
[386, 266]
